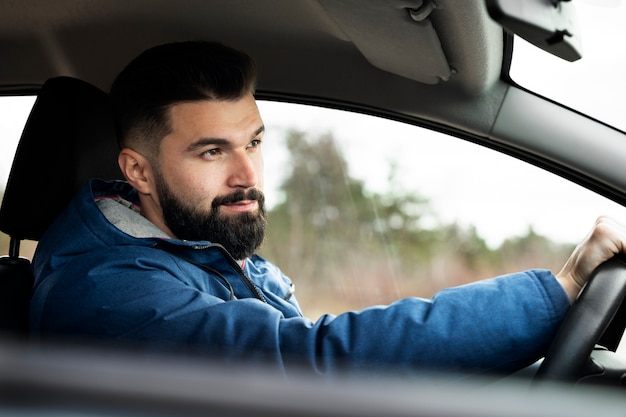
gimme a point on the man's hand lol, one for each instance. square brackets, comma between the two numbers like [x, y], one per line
[606, 239]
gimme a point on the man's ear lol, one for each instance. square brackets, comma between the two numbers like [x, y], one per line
[137, 170]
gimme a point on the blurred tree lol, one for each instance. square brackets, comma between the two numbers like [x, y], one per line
[316, 208]
[324, 203]
[347, 247]
[532, 250]
[331, 231]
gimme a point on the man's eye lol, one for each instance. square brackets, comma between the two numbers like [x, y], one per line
[255, 143]
[211, 152]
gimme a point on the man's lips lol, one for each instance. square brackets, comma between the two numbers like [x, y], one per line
[242, 206]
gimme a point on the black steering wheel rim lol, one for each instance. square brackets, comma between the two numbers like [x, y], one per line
[589, 317]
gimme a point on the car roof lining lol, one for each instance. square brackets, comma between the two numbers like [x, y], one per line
[412, 50]
[314, 40]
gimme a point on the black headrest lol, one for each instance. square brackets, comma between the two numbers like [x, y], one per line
[68, 138]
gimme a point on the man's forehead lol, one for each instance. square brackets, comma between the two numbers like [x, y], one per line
[216, 119]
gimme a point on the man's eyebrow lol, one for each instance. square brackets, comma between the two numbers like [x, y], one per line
[202, 142]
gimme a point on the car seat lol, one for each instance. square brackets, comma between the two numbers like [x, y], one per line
[68, 138]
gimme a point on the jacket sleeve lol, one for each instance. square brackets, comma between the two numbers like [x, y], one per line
[499, 324]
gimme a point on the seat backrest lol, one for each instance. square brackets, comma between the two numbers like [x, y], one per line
[68, 138]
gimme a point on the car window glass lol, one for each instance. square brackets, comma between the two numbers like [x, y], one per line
[14, 111]
[364, 210]
[593, 84]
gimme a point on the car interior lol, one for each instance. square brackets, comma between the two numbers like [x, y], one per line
[76, 115]
[364, 70]
[444, 66]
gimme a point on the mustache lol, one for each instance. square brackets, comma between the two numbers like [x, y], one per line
[252, 194]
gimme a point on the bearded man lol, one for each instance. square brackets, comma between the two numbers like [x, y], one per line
[166, 259]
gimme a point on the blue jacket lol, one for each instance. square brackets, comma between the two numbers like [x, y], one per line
[103, 271]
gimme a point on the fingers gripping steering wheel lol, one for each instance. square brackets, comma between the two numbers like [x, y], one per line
[589, 317]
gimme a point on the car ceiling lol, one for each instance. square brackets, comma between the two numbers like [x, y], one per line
[439, 65]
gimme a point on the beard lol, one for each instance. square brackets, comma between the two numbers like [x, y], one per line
[240, 233]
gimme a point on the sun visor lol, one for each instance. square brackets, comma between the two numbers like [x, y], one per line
[394, 36]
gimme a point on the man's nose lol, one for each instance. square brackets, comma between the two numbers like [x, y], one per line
[243, 171]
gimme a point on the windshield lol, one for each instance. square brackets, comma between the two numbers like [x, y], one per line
[592, 85]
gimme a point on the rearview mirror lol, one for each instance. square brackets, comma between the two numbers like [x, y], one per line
[549, 24]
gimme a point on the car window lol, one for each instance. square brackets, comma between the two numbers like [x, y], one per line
[14, 111]
[593, 84]
[364, 210]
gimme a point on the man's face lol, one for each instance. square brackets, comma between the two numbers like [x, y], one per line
[210, 173]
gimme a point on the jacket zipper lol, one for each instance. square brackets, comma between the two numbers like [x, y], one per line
[256, 292]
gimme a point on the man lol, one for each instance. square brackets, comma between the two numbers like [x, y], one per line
[167, 259]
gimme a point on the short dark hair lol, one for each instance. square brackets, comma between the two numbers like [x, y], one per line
[172, 73]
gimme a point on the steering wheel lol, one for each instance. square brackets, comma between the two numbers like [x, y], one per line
[590, 315]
